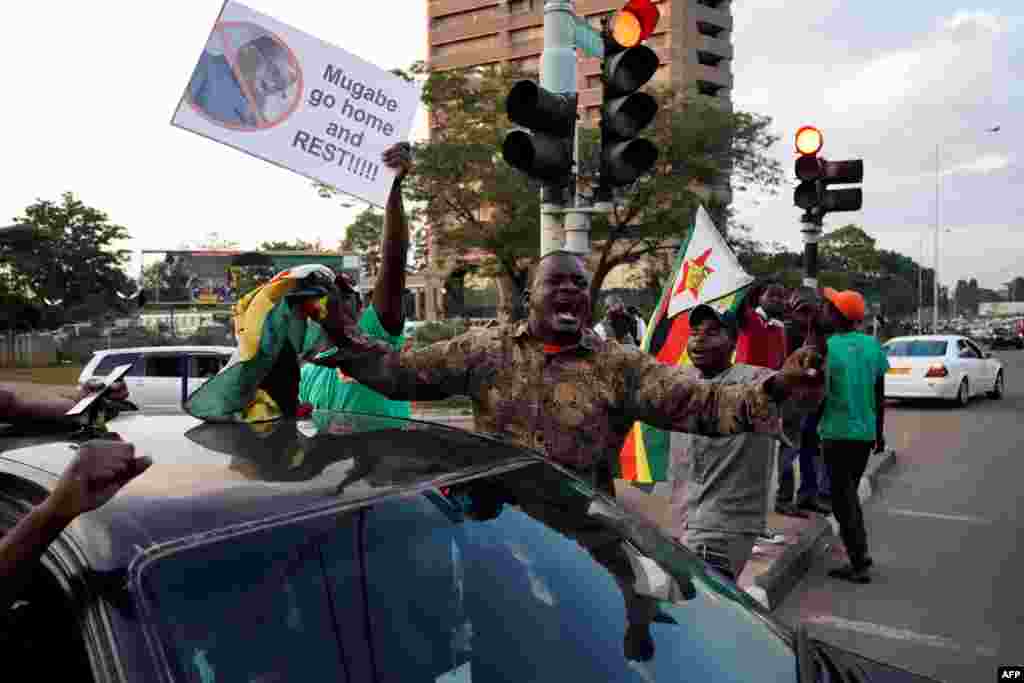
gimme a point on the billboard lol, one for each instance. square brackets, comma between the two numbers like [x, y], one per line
[1001, 308]
[293, 100]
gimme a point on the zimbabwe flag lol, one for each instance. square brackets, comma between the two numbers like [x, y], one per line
[706, 271]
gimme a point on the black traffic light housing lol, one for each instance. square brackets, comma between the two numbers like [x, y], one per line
[816, 174]
[625, 111]
[544, 150]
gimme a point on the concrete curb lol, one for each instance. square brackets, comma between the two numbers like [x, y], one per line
[772, 587]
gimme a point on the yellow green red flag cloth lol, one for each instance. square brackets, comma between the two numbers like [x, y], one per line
[706, 271]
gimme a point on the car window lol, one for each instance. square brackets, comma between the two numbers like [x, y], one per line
[253, 608]
[112, 360]
[164, 366]
[518, 578]
[975, 350]
[966, 350]
[205, 366]
[916, 348]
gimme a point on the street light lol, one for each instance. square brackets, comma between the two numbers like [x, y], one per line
[938, 185]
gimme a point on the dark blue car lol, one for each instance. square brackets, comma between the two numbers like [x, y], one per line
[351, 549]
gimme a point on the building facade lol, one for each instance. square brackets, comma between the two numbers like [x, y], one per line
[693, 41]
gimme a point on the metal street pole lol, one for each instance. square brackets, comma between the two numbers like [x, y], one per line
[558, 75]
[811, 230]
[935, 284]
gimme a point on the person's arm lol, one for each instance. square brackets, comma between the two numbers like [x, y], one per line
[98, 471]
[666, 396]
[390, 285]
[18, 406]
[431, 373]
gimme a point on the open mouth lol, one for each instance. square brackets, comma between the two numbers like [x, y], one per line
[566, 313]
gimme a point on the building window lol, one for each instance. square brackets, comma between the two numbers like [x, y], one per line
[709, 58]
[595, 19]
[708, 29]
[526, 35]
[463, 20]
[523, 6]
[713, 4]
[593, 82]
[461, 46]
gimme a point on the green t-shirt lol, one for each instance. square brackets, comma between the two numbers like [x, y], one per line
[328, 389]
[855, 361]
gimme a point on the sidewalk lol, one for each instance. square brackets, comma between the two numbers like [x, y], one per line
[773, 570]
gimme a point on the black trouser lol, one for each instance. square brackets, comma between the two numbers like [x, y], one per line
[847, 461]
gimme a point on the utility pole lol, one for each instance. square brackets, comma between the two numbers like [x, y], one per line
[558, 75]
[935, 283]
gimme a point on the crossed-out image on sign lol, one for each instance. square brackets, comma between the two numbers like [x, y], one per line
[246, 78]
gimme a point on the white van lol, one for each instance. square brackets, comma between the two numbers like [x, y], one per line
[161, 377]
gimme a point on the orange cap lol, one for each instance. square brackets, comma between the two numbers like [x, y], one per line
[849, 303]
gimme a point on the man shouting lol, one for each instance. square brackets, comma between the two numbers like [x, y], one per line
[550, 383]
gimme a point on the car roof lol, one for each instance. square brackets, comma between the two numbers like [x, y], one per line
[207, 477]
[167, 349]
[929, 337]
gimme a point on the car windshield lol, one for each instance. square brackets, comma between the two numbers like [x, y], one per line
[916, 348]
[526, 575]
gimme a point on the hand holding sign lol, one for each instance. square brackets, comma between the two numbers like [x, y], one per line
[288, 98]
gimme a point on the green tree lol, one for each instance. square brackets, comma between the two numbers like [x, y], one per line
[284, 245]
[363, 237]
[851, 250]
[75, 258]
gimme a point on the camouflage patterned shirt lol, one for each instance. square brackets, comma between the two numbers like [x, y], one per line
[575, 404]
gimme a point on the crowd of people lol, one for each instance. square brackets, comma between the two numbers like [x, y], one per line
[557, 384]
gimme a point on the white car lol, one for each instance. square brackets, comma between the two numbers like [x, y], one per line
[949, 367]
[162, 377]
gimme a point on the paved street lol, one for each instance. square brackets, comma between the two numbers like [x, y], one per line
[945, 533]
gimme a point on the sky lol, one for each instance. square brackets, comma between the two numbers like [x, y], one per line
[92, 88]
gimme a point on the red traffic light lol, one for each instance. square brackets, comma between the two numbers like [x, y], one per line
[808, 140]
[634, 23]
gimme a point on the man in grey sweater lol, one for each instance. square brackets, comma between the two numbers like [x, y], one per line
[720, 484]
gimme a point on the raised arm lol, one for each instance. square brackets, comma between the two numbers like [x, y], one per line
[387, 292]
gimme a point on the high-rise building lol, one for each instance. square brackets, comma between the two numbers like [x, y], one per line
[693, 40]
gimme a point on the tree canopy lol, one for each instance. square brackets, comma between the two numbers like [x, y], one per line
[74, 262]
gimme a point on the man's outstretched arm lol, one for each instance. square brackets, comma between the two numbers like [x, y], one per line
[668, 397]
[19, 406]
[390, 285]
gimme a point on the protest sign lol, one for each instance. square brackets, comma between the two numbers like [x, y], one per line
[289, 98]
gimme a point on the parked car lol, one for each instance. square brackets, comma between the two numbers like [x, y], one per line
[354, 549]
[162, 376]
[1006, 338]
[948, 367]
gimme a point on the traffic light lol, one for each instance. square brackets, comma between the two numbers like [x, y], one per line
[544, 151]
[627, 66]
[816, 174]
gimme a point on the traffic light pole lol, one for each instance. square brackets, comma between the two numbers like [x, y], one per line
[811, 229]
[558, 75]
